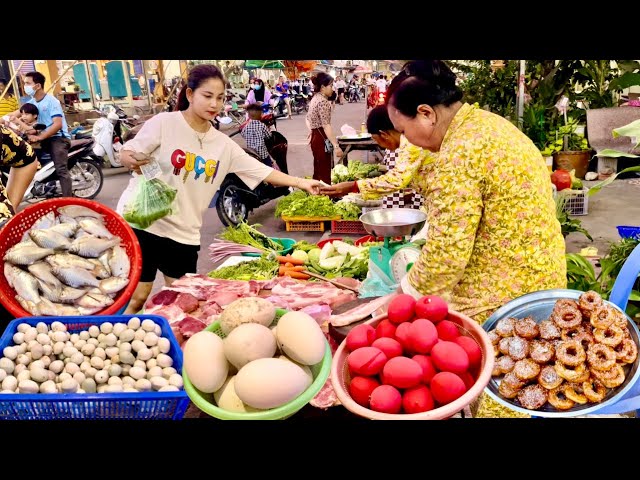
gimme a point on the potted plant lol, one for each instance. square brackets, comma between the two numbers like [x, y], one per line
[570, 150]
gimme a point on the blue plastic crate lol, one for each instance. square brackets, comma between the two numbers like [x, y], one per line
[626, 231]
[95, 406]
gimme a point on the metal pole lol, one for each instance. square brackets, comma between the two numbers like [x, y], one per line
[521, 94]
[92, 90]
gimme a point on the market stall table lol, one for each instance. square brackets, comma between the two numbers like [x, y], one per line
[349, 144]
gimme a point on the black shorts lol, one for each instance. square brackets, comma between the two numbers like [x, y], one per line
[172, 258]
[340, 91]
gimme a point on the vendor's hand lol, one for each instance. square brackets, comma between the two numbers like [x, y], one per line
[338, 189]
[133, 160]
[339, 152]
[309, 185]
[34, 138]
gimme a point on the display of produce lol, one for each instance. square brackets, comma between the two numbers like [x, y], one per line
[579, 355]
[354, 170]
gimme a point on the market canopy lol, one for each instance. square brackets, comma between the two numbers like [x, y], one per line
[293, 68]
[266, 64]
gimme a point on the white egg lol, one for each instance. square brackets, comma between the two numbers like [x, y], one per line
[227, 398]
[300, 338]
[247, 342]
[270, 382]
[205, 362]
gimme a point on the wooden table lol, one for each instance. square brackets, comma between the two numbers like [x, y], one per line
[348, 145]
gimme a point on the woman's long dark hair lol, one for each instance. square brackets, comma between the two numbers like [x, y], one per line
[197, 76]
[259, 94]
[429, 82]
[321, 80]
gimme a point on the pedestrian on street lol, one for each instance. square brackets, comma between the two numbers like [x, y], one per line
[323, 141]
[194, 158]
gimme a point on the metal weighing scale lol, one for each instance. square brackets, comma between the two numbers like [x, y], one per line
[395, 257]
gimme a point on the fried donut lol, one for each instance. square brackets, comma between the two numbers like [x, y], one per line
[567, 317]
[601, 357]
[526, 369]
[571, 353]
[518, 348]
[504, 327]
[588, 302]
[558, 398]
[585, 339]
[541, 351]
[574, 391]
[584, 377]
[503, 345]
[571, 333]
[626, 351]
[494, 337]
[503, 365]
[612, 336]
[602, 317]
[507, 391]
[565, 302]
[594, 390]
[549, 378]
[548, 330]
[513, 381]
[568, 373]
[527, 328]
[496, 351]
[619, 318]
[532, 397]
[617, 380]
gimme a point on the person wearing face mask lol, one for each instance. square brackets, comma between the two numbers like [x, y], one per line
[259, 93]
[194, 158]
[55, 138]
[322, 140]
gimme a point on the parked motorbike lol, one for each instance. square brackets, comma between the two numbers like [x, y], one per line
[299, 103]
[235, 200]
[278, 105]
[353, 94]
[85, 169]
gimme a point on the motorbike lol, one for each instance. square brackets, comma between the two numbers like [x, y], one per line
[353, 94]
[85, 169]
[235, 200]
[299, 103]
[278, 105]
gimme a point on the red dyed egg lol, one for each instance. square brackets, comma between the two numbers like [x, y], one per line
[385, 329]
[428, 369]
[402, 372]
[403, 335]
[401, 308]
[423, 336]
[432, 308]
[360, 336]
[360, 389]
[447, 330]
[366, 361]
[468, 379]
[386, 399]
[390, 347]
[417, 399]
[446, 387]
[449, 357]
[472, 348]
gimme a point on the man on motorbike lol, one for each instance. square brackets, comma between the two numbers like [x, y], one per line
[282, 87]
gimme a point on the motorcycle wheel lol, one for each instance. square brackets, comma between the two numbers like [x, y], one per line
[229, 206]
[83, 169]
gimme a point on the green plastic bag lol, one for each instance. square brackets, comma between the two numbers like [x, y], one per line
[151, 201]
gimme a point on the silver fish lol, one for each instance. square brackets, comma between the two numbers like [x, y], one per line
[119, 262]
[42, 271]
[25, 285]
[46, 307]
[62, 294]
[76, 277]
[68, 260]
[89, 310]
[29, 306]
[98, 220]
[26, 255]
[25, 243]
[66, 229]
[91, 246]
[100, 292]
[50, 239]
[95, 228]
[104, 259]
[113, 284]
[8, 273]
[46, 221]
[99, 270]
[92, 300]
[78, 211]
[67, 220]
[25, 236]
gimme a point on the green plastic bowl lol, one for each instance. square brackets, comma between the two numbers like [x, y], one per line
[287, 247]
[206, 403]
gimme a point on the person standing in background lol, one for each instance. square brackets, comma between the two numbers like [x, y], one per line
[340, 86]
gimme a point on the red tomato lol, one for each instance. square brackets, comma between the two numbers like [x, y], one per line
[360, 389]
[432, 308]
[360, 336]
[401, 308]
[417, 399]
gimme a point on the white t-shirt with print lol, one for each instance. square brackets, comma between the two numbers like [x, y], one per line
[195, 172]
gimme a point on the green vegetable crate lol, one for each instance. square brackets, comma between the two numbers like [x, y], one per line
[348, 226]
[306, 224]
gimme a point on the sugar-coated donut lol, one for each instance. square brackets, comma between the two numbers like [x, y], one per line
[571, 353]
[532, 397]
[588, 302]
[526, 328]
[549, 330]
[601, 357]
[549, 378]
[558, 398]
[541, 351]
[611, 336]
[504, 327]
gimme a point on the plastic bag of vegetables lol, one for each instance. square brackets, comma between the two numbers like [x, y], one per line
[151, 200]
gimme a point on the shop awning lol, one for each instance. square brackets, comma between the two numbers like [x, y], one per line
[266, 64]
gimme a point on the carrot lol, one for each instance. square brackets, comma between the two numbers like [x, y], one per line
[288, 265]
[298, 268]
[298, 275]
[289, 259]
[282, 270]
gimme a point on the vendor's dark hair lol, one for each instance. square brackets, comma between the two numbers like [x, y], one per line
[420, 82]
[29, 108]
[378, 120]
[197, 76]
[37, 77]
[321, 80]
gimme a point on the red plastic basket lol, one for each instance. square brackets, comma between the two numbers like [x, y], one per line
[347, 226]
[13, 230]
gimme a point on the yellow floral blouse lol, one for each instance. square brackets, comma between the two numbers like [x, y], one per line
[410, 157]
[493, 233]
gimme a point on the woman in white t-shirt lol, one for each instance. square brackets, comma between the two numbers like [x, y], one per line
[194, 158]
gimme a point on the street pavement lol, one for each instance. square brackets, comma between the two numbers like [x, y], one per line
[616, 204]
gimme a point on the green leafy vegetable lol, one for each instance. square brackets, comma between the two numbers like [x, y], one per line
[348, 210]
[245, 234]
[260, 269]
[285, 202]
[304, 246]
[152, 200]
[354, 170]
[300, 203]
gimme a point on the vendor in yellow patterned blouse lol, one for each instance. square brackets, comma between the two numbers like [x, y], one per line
[493, 233]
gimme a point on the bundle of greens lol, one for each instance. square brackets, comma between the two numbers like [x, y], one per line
[245, 234]
[260, 269]
[348, 210]
[354, 170]
[304, 246]
[300, 203]
[151, 201]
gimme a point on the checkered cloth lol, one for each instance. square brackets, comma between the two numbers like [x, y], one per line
[407, 198]
[254, 133]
